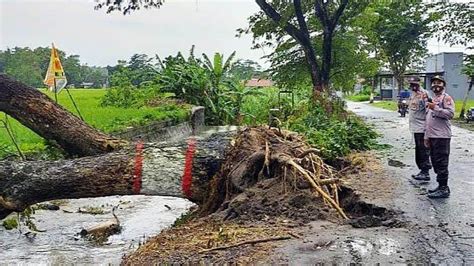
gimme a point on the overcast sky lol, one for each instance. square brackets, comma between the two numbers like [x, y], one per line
[102, 39]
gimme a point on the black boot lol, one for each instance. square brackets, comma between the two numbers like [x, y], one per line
[423, 175]
[433, 189]
[441, 192]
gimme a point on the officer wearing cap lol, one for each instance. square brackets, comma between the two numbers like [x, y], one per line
[417, 106]
[438, 135]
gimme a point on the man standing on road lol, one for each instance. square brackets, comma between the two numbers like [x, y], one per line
[417, 112]
[438, 135]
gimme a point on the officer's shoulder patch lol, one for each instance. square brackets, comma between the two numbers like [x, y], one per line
[448, 100]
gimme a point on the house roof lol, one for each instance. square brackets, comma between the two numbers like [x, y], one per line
[259, 83]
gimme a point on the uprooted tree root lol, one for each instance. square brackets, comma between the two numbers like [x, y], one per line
[268, 187]
[272, 172]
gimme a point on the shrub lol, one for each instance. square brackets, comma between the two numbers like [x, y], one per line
[336, 134]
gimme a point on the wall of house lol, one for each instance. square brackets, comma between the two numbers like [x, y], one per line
[456, 82]
[434, 63]
[451, 66]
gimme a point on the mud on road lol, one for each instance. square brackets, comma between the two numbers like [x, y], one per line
[392, 219]
[309, 224]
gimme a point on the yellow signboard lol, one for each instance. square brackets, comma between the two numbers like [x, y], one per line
[55, 77]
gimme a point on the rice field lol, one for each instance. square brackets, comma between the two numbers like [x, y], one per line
[107, 119]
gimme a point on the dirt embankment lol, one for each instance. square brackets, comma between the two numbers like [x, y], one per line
[271, 185]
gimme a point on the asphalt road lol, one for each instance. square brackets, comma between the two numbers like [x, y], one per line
[439, 231]
[444, 228]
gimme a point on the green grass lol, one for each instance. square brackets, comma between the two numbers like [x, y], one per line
[106, 119]
[256, 107]
[358, 98]
[391, 105]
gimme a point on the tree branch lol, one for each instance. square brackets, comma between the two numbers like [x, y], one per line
[338, 14]
[276, 17]
[301, 19]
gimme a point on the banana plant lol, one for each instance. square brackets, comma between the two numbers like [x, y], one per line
[217, 71]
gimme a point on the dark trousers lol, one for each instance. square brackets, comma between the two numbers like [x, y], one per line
[440, 149]
[422, 154]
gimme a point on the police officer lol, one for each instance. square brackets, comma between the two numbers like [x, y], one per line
[417, 106]
[438, 135]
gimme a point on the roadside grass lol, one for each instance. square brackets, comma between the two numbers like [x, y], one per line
[256, 108]
[358, 98]
[389, 105]
[392, 105]
[106, 119]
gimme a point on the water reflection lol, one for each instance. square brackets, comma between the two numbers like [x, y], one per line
[140, 217]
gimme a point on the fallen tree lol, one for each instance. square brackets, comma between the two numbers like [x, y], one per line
[221, 172]
[148, 169]
[39, 113]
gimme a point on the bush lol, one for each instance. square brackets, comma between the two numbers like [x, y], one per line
[335, 135]
[361, 96]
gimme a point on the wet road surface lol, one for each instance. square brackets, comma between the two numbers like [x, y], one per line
[439, 231]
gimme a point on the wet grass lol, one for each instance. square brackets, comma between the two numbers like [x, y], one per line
[358, 98]
[392, 105]
[389, 105]
[107, 119]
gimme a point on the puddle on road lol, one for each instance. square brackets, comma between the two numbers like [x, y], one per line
[361, 248]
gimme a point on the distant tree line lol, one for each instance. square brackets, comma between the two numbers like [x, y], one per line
[29, 66]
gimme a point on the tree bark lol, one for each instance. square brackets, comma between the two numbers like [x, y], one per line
[155, 169]
[308, 47]
[466, 96]
[329, 24]
[301, 35]
[38, 112]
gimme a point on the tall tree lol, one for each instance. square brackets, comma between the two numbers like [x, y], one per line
[455, 27]
[245, 69]
[292, 19]
[332, 35]
[30, 65]
[401, 32]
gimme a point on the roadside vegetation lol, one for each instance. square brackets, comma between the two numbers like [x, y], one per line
[361, 96]
[392, 105]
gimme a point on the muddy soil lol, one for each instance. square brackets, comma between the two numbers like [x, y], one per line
[271, 209]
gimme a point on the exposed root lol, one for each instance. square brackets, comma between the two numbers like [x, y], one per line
[317, 188]
[248, 242]
[268, 169]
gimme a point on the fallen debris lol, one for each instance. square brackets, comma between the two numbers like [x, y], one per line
[100, 232]
[248, 242]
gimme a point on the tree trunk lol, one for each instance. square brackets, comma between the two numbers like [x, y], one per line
[301, 35]
[466, 96]
[399, 85]
[180, 169]
[38, 112]
[372, 90]
[327, 57]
